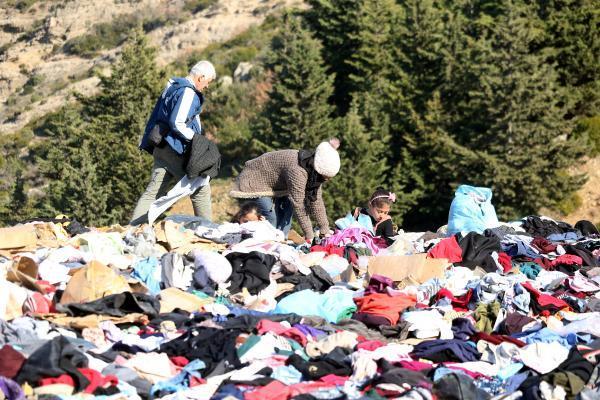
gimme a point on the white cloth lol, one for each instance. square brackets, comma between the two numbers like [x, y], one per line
[543, 357]
[53, 272]
[184, 187]
[428, 324]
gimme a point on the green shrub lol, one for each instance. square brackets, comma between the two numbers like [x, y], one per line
[30, 85]
[236, 56]
[588, 129]
[33, 30]
[570, 204]
[195, 6]
[24, 5]
[106, 35]
[12, 100]
[4, 48]
[148, 25]
[10, 28]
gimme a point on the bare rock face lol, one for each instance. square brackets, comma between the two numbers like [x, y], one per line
[225, 81]
[32, 43]
[242, 72]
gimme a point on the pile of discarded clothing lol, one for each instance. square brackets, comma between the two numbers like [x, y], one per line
[187, 309]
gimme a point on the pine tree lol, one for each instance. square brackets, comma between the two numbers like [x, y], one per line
[67, 159]
[117, 117]
[298, 110]
[525, 140]
[335, 24]
[572, 41]
[362, 170]
[420, 56]
[20, 206]
[374, 47]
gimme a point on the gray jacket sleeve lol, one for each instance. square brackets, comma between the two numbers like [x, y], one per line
[296, 184]
[317, 210]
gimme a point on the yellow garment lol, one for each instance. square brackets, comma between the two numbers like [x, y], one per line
[173, 298]
[92, 320]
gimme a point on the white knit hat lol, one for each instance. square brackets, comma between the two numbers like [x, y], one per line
[327, 159]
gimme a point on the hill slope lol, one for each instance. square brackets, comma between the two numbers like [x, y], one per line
[50, 48]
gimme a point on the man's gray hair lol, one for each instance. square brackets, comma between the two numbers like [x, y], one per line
[204, 68]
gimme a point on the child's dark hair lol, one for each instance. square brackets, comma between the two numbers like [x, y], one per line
[381, 197]
[246, 208]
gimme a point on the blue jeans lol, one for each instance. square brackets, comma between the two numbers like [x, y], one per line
[278, 211]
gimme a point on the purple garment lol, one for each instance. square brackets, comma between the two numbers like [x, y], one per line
[355, 235]
[443, 350]
[462, 328]
[378, 284]
[11, 389]
[309, 330]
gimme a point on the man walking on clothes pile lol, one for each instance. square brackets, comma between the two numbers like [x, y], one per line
[168, 134]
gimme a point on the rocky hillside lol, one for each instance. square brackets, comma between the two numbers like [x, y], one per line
[51, 48]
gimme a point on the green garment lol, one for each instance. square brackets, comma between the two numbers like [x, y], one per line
[248, 344]
[486, 315]
[572, 383]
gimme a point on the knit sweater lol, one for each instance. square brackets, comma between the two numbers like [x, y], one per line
[278, 174]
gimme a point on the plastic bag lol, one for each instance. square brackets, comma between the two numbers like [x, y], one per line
[471, 210]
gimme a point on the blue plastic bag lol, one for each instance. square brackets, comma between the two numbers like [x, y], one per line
[471, 210]
[363, 221]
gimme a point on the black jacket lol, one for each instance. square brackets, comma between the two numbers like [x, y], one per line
[204, 158]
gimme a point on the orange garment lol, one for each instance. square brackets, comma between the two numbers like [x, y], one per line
[384, 305]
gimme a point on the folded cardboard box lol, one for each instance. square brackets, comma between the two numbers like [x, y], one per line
[414, 268]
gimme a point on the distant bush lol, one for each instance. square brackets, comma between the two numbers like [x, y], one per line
[588, 129]
[195, 6]
[30, 85]
[106, 35]
[152, 23]
[570, 204]
[4, 48]
[24, 5]
[10, 28]
[32, 31]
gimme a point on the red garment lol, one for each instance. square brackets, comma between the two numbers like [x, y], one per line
[278, 391]
[567, 259]
[179, 361]
[36, 303]
[497, 339]
[447, 248]
[329, 249]
[370, 345]
[544, 299]
[384, 305]
[505, 260]
[196, 381]
[63, 379]
[543, 245]
[542, 262]
[416, 365]
[334, 380]
[11, 361]
[458, 303]
[96, 380]
[265, 325]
